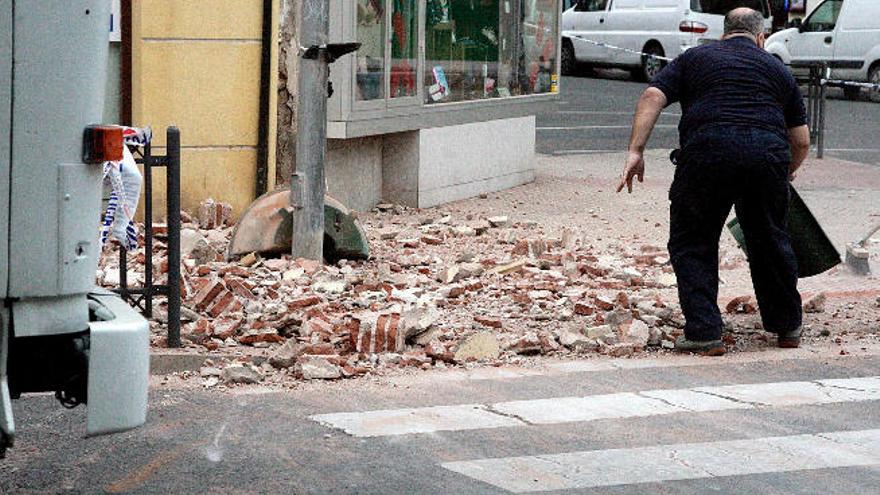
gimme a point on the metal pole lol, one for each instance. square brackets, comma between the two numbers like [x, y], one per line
[815, 84]
[820, 153]
[307, 182]
[148, 231]
[172, 191]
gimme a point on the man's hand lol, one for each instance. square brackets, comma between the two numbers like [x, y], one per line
[648, 111]
[634, 167]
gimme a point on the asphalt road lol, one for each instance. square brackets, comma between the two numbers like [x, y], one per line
[668, 425]
[594, 115]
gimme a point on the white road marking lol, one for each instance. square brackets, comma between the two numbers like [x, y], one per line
[602, 112]
[418, 420]
[594, 127]
[795, 393]
[591, 408]
[587, 152]
[600, 468]
[855, 150]
[559, 410]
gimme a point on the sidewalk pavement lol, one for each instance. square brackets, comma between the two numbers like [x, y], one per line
[561, 266]
[844, 196]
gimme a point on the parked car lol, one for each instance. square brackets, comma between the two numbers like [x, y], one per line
[658, 27]
[845, 33]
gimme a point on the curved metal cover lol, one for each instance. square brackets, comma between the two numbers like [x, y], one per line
[265, 227]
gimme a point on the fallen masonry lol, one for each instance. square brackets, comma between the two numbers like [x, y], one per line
[444, 289]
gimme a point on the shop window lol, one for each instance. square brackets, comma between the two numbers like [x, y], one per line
[404, 47]
[370, 70]
[387, 62]
[479, 49]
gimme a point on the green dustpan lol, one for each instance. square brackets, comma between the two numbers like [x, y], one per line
[815, 252]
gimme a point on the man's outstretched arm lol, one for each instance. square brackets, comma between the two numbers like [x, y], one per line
[651, 103]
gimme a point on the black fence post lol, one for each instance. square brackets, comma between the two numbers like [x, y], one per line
[148, 230]
[172, 170]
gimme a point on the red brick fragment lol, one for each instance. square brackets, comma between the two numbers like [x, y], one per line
[303, 302]
[319, 349]
[207, 294]
[223, 328]
[489, 322]
[378, 334]
[583, 309]
[222, 303]
[241, 288]
[311, 267]
[269, 335]
[742, 305]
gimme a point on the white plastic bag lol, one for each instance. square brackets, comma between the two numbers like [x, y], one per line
[125, 183]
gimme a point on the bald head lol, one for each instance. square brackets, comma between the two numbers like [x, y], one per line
[743, 20]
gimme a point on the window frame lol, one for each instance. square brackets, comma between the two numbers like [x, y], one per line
[350, 118]
[806, 24]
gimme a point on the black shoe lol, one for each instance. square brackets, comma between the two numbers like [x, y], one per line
[790, 339]
[701, 347]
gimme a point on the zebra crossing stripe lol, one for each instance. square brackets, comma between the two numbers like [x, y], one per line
[596, 407]
[688, 461]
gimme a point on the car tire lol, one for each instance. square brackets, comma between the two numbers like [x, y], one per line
[569, 63]
[650, 66]
[874, 77]
[851, 93]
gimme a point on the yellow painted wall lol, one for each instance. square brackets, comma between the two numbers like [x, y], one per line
[196, 65]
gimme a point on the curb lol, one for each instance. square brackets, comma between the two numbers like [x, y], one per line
[166, 363]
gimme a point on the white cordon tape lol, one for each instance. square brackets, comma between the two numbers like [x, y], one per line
[826, 82]
[851, 84]
[612, 47]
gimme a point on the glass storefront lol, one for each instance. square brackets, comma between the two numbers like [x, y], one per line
[472, 49]
[370, 70]
[477, 49]
[404, 47]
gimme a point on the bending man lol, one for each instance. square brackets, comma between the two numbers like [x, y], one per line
[743, 135]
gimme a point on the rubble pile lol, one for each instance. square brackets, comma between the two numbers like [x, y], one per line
[439, 290]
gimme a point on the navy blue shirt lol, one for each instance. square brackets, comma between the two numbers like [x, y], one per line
[732, 83]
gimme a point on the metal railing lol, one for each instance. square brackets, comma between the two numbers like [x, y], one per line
[142, 297]
[816, 98]
[818, 81]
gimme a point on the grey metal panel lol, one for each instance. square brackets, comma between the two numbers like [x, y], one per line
[5, 125]
[59, 89]
[78, 253]
[50, 315]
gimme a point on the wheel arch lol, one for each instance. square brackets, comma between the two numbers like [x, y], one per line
[654, 42]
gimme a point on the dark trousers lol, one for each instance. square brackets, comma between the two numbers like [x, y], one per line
[747, 169]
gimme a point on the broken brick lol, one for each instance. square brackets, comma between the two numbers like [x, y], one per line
[583, 309]
[207, 294]
[303, 302]
[222, 303]
[488, 322]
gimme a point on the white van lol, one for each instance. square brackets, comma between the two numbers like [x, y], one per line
[845, 33]
[659, 27]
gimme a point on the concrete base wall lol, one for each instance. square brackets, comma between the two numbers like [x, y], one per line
[432, 166]
[354, 171]
[463, 161]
